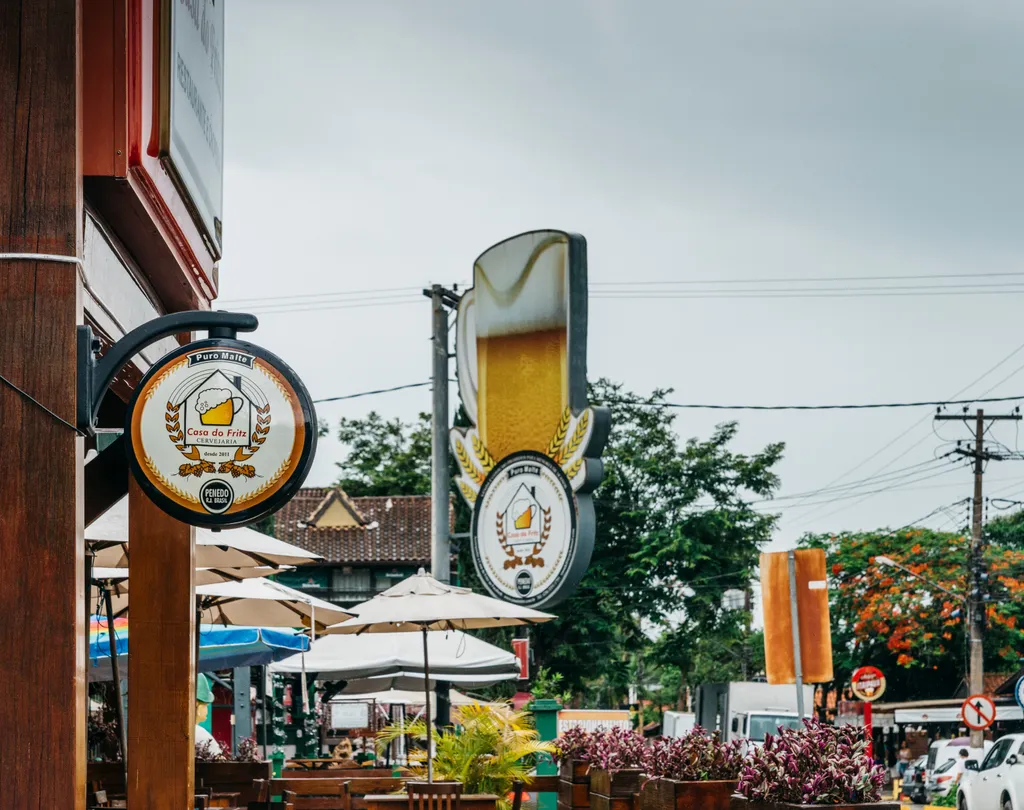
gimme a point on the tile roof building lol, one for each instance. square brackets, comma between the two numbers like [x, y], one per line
[368, 544]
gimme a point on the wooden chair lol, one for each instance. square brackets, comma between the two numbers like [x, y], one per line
[434, 795]
[313, 794]
[99, 799]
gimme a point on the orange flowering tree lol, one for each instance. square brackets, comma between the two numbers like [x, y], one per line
[910, 627]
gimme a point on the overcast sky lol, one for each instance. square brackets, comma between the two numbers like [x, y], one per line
[384, 145]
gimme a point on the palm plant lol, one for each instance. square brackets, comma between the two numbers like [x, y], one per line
[491, 747]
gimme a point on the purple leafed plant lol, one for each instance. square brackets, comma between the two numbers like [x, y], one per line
[817, 764]
[574, 744]
[207, 751]
[617, 749]
[614, 749]
[697, 756]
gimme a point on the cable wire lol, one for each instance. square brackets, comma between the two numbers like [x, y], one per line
[913, 426]
[850, 407]
[39, 404]
[372, 393]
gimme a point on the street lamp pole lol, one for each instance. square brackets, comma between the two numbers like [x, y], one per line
[891, 563]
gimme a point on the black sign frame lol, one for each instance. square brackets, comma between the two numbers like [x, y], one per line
[272, 503]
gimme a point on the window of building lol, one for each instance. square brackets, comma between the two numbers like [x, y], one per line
[352, 580]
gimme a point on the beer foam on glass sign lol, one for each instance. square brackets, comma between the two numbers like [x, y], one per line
[531, 459]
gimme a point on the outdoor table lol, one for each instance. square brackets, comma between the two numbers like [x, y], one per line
[225, 799]
[393, 801]
[322, 764]
[315, 764]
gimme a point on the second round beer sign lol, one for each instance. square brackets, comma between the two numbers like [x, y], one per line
[220, 433]
[526, 529]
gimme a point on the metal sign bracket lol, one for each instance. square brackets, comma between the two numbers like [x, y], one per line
[95, 374]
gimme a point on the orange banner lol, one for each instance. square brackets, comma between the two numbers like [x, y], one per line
[812, 604]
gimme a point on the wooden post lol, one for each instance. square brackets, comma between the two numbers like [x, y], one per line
[161, 652]
[42, 590]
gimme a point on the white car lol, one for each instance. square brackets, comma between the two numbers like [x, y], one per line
[945, 766]
[997, 783]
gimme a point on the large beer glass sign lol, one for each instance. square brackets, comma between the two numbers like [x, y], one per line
[529, 463]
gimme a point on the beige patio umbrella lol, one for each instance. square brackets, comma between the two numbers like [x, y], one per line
[219, 551]
[422, 603]
[253, 602]
[263, 603]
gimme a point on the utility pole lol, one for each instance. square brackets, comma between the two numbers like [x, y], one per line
[440, 553]
[794, 614]
[440, 547]
[975, 567]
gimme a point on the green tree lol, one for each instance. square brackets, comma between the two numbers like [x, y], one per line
[905, 625]
[674, 532]
[385, 457]
[1006, 531]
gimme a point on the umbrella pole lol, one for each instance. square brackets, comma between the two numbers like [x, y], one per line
[430, 722]
[116, 667]
[266, 721]
[199, 626]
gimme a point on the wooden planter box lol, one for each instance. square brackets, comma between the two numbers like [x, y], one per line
[614, 790]
[573, 785]
[740, 803]
[670, 794]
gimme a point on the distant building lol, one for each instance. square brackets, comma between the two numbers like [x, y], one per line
[368, 544]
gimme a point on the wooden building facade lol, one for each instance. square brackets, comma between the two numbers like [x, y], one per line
[101, 223]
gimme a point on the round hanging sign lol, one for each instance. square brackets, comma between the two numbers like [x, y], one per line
[220, 433]
[527, 538]
[868, 683]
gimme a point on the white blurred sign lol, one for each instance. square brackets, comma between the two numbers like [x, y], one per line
[350, 715]
[197, 106]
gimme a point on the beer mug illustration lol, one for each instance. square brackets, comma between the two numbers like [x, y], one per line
[521, 355]
[216, 406]
[519, 380]
[523, 512]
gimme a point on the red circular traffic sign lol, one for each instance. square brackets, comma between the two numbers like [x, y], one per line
[979, 712]
[868, 683]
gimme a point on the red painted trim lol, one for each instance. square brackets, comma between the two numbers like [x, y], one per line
[147, 174]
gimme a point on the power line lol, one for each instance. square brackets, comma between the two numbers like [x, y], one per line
[362, 304]
[374, 392]
[795, 280]
[910, 471]
[322, 296]
[711, 407]
[671, 289]
[905, 487]
[844, 407]
[911, 428]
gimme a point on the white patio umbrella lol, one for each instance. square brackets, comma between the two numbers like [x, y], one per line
[423, 603]
[398, 657]
[116, 579]
[264, 603]
[227, 549]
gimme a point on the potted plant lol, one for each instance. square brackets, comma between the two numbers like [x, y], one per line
[572, 752]
[491, 747]
[812, 766]
[617, 758]
[693, 772]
